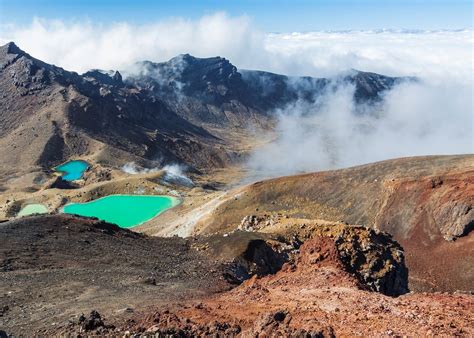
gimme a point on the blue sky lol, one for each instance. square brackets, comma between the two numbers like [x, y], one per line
[270, 16]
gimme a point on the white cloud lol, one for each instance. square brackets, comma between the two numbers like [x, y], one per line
[85, 45]
[414, 119]
[422, 53]
[81, 46]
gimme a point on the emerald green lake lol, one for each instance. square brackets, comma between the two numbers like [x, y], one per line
[72, 170]
[32, 209]
[126, 211]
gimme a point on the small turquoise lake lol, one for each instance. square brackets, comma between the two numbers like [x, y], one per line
[32, 209]
[72, 170]
[127, 211]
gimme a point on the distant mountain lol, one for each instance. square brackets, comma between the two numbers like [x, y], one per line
[212, 90]
[191, 110]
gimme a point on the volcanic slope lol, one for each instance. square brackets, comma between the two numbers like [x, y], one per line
[56, 267]
[48, 115]
[200, 112]
[426, 203]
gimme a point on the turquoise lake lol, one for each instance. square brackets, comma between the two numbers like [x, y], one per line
[126, 211]
[32, 209]
[72, 170]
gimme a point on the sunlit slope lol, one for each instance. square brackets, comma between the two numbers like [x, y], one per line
[424, 202]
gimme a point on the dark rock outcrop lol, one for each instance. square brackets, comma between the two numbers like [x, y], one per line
[59, 183]
[93, 322]
[375, 258]
[258, 259]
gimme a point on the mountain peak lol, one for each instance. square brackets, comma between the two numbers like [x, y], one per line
[11, 48]
[110, 77]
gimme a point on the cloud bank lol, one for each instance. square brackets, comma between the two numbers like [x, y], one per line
[433, 116]
[414, 119]
[81, 46]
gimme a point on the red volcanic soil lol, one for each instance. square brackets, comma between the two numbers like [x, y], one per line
[426, 203]
[57, 267]
[313, 296]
